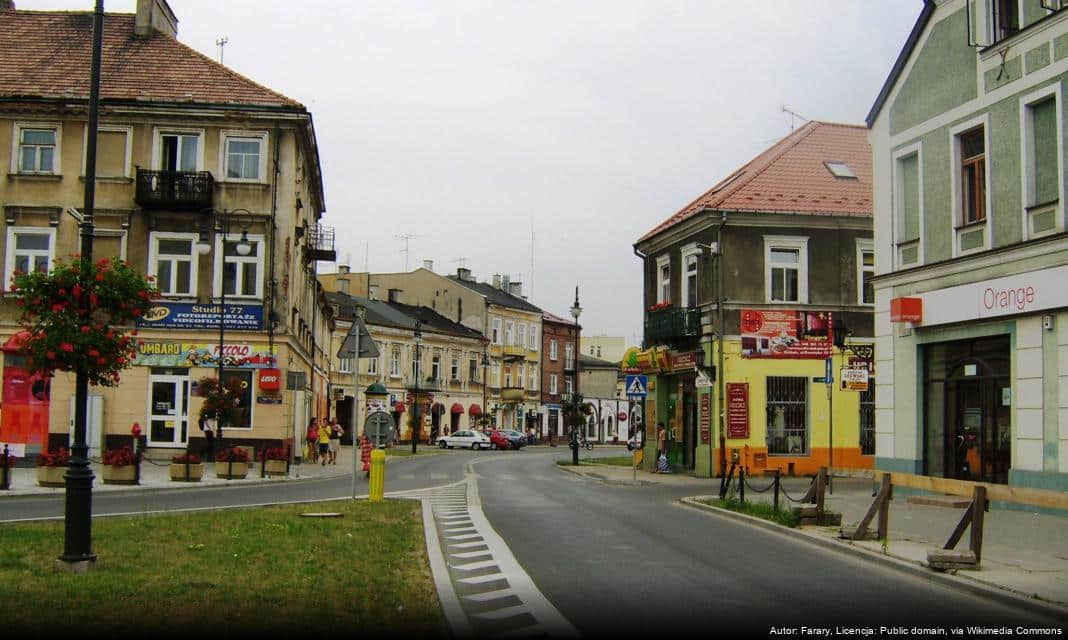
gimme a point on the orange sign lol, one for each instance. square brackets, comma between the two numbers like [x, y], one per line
[906, 310]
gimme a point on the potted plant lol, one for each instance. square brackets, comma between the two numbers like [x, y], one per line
[187, 468]
[231, 463]
[275, 461]
[51, 467]
[120, 466]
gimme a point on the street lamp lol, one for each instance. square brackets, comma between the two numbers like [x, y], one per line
[485, 360]
[223, 221]
[576, 310]
[416, 427]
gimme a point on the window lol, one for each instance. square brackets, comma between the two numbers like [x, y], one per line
[787, 407]
[243, 156]
[569, 384]
[435, 367]
[395, 362]
[344, 365]
[663, 279]
[507, 375]
[29, 249]
[533, 378]
[495, 373]
[509, 333]
[372, 365]
[454, 370]
[113, 145]
[472, 370]
[840, 170]
[172, 258]
[417, 356]
[1005, 18]
[242, 276]
[973, 175]
[1041, 150]
[552, 384]
[179, 150]
[865, 272]
[533, 338]
[37, 148]
[521, 375]
[553, 351]
[690, 254]
[908, 199]
[245, 403]
[867, 419]
[569, 355]
[521, 339]
[786, 269]
[496, 324]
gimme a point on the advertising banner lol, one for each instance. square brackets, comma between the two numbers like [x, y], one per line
[706, 417]
[737, 409]
[185, 354]
[190, 315]
[786, 334]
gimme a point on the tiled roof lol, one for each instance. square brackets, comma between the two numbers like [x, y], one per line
[47, 54]
[496, 296]
[792, 177]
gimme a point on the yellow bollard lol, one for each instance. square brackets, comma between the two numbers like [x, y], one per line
[378, 475]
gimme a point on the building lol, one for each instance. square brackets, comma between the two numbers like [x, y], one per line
[972, 255]
[604, 347]
[746, 289]
[559, 346]
[207, 181]
[599, 383]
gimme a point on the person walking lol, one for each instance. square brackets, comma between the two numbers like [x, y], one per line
[311, 440]
[207, 425]
[336, 431]
[661, 445]
[324, 442]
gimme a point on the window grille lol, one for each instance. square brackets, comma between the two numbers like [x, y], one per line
[787, 407]
[867, 419]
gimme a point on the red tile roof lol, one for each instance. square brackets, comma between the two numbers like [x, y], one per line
[46, 54]
[792, 177]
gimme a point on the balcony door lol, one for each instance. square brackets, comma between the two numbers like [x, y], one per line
[179, 151]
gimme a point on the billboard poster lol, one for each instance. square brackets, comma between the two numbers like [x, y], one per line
[786, 334]
[737, 409]
[191, 315]
[185, 354]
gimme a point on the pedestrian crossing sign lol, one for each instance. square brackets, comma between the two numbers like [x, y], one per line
[637, 386]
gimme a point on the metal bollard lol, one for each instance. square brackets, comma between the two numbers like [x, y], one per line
[775, 503]
[5, 482]
[378, 475]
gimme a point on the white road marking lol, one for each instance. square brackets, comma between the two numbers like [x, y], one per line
[500, 614]
[468, 555]
[465, 536]
[490, 595]
[489, 577]
[474, 566]
[467, 545]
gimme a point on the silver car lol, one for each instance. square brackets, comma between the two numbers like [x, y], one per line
[465, 439]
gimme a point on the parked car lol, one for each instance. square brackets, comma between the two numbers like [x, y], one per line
[514, 439]
[464, 439]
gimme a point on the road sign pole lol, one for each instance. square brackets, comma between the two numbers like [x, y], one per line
[829, 364]
[354, 415]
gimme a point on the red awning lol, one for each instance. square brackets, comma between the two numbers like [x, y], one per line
[475, 410]
[456, 408]
[16, 342]
[398, 407]
[437, 409]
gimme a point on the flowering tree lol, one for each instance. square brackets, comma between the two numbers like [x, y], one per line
[221, 401]
[76, 313]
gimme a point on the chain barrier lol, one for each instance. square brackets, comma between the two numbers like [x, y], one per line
[755, 490]
[800, 500]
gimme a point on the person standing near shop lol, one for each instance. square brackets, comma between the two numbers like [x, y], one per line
[311, 440]
[336, 431]
[661, 445]
[324, 442]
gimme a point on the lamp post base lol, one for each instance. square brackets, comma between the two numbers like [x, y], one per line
[80, 565]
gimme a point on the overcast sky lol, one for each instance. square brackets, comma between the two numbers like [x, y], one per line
[540, 139]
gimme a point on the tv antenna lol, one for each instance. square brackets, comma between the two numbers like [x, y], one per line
[462, 260]
[405, 237]
[221, 43]
[793, 116]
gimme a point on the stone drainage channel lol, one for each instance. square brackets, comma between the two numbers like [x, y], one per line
[483, 590]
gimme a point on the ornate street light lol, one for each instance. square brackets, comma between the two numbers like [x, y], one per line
[416, 420]
[576, 310]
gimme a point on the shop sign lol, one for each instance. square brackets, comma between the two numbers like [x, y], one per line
[854, 379]
[1021, 293]
[906, 310]
[686, 360]
[269, 399]
[786, 334]
[185, 354]
[706, 418]
[270, 379]
[191, 315]
[737, 409]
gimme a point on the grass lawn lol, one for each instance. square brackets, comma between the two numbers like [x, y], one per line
[262, 570]
[617, 461]
[763, 510]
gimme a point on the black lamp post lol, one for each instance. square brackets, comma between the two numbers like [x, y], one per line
[576, 310]
[417, 424]
[485, 359]
[223, 221]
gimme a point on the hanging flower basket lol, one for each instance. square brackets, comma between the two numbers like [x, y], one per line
[72, 312]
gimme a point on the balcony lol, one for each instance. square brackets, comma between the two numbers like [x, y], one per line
[175, 190]
[320, 245]
[513, 352]
[512, 394]
[671, 326]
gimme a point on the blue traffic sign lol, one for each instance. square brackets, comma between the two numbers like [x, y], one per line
[637, 385]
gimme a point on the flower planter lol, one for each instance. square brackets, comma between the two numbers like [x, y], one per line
[116, 474]
[275, 467]
[231, 470]
[51, 476]
[178, 472]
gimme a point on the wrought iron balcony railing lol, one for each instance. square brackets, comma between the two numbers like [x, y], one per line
[320, 244]
[668, 326]
[175, 190]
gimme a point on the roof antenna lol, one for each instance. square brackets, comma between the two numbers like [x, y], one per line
[221, 43]
[793, 116]
[405, 237]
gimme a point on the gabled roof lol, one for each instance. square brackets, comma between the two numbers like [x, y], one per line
[545, 315]
[496, 296]
[591, 362]
[397, 315]
[793, 177]
[47, 54]
[902, 60]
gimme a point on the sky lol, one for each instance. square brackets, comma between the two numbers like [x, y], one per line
[540, 139]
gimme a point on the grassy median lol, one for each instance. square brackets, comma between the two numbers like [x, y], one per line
[256, 570]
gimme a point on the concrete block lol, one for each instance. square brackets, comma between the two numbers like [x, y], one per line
[1028, 454]
[1028, 363]
[1029, 332]
[1028, 394]
[1028, 423]
[1062, 454]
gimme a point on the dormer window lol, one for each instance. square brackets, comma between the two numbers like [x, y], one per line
[841, 170]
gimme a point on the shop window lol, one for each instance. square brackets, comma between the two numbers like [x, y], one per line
[867, 419]
[787, 415]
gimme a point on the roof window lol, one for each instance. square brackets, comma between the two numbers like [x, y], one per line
[840, 170]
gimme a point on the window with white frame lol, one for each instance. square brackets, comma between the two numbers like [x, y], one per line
[244, 157]
[521, 375]
[372, 365]
[786, 269]
[172, 259]
[344, 365]
[971, 227]
[509, 333]
[569, 384]
[507, 375]
[521, 338]
[533, 372]
[395, 362]
[533, 342]
[663, 279]
[1041, 149]
[435, 367]
[113, 147]
[179, 150]
[908, 205]
[37, 148]
[865, 271]
[472, 370]
[29, 249]
[690, 253]
[495, 374]
[454, 370]
[569, 355]
[416, 360]
[496, 324]
[553, 350]
[552, 384]
[242, 276]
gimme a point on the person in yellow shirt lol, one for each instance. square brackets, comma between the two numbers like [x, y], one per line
[324, 441]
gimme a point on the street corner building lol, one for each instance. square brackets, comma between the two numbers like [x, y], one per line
[972, 256]
[208, 182]
[759, 314]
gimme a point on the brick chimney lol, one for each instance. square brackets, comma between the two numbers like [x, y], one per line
[516, 289]
[463, 274]
[496, 281]
[153, 16]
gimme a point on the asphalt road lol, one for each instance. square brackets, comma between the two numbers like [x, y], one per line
[630, 560]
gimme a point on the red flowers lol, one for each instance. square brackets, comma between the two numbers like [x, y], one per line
[59, 458]
[123, 457]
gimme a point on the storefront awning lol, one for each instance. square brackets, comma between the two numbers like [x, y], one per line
[16, 342]
[437, 409]
[398, 407]
[456, 408]
[474, 410]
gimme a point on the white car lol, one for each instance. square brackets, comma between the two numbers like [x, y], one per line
[465, 439]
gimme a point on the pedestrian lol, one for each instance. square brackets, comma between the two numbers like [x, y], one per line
[324, 442]
[336, 431]
[208, 427]
[311, 440]
[661, 445]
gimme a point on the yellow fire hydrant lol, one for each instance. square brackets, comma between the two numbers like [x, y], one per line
[378, 475]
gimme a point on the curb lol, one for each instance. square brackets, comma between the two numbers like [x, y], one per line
[1004, 594]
